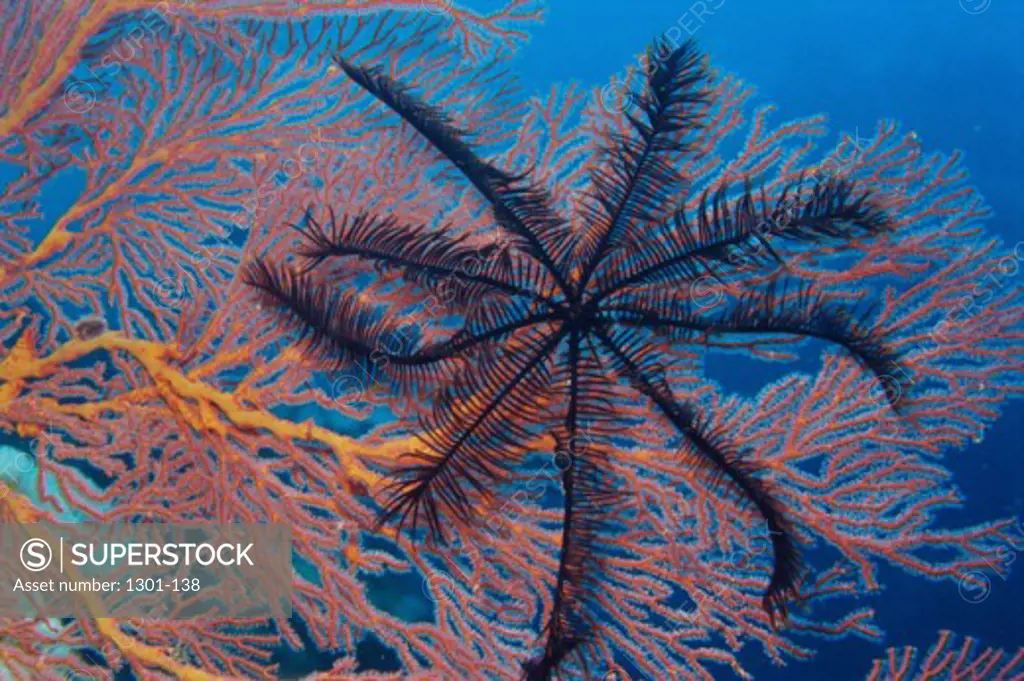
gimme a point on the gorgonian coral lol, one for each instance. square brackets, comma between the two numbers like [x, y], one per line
[556, 324]
[578, 319]
[142, 385]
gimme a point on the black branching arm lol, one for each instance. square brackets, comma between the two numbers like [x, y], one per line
[430, 257]
[565, 627]
[639, 169]
[712, 447]
[520, 207]
[477, 424]
[338, 330]
[737, 233]
[774, 310]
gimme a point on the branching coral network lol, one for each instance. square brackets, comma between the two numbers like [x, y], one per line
[185, 137]
[945, 660]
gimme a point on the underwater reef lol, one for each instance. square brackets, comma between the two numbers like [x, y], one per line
[324, 264]
[945, 660]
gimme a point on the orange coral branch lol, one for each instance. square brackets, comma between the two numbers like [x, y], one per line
[198, 403]
[47, 72]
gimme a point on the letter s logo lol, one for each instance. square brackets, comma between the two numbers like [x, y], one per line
[36, 555]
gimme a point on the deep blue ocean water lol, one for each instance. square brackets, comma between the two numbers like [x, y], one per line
[953, 72]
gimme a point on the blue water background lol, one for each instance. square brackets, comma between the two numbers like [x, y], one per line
[953, 77]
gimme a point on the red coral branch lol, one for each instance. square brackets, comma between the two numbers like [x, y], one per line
[947, 662]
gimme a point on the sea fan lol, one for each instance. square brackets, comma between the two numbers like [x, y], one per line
[558, 325]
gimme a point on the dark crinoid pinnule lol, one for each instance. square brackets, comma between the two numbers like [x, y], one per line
[567, 321]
